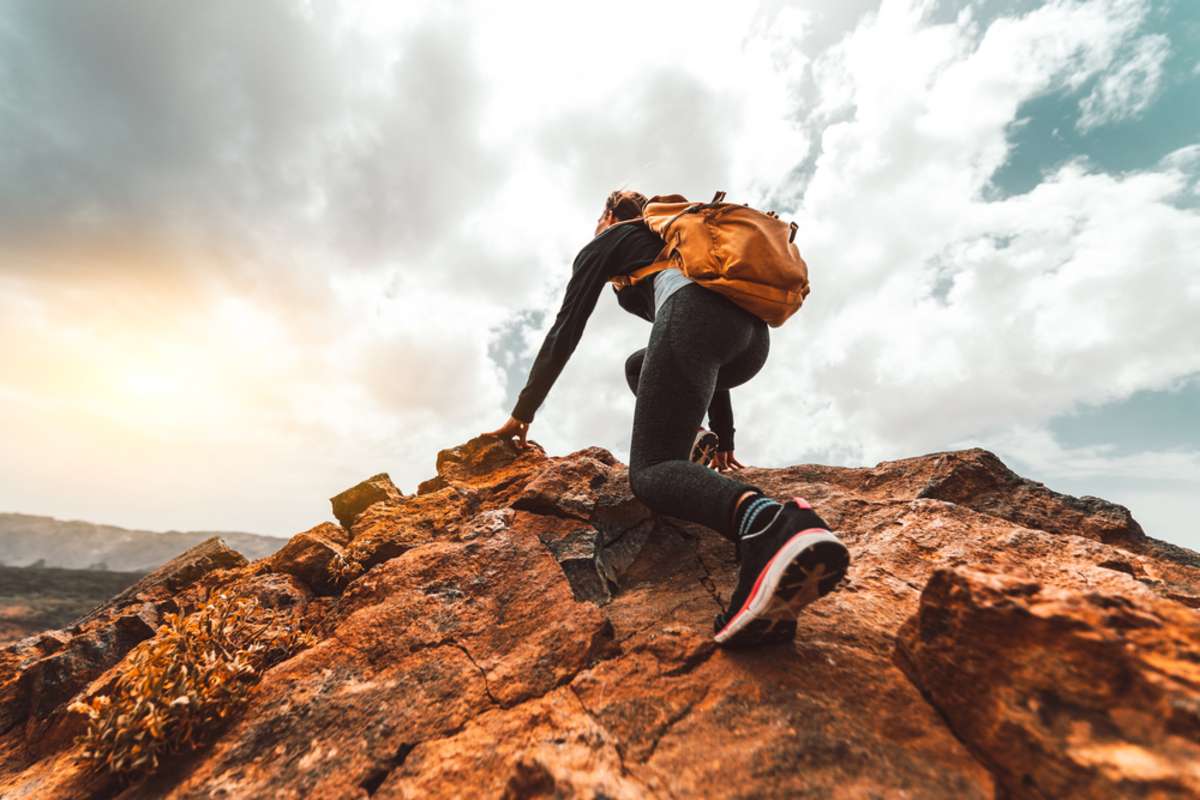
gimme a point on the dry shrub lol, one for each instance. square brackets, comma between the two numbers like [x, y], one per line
[178, 686]
[343, 569]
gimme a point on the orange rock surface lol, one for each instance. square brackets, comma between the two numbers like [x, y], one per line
[522, 626]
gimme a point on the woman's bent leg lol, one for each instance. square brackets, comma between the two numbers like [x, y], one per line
[675, 387]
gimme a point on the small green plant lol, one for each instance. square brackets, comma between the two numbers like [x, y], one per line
[178, 686]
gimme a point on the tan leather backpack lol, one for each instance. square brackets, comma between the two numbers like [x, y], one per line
[745, 254]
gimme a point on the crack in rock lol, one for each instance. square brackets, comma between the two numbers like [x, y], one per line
[705, 580]
[487, 687]
[671, 722]
[375, 778]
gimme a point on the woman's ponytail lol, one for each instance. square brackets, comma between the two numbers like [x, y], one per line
[625, 204]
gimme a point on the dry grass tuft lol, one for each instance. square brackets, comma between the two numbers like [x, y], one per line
[343, 569]
[181, 684]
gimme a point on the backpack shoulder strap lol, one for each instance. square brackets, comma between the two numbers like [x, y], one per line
[662, 261]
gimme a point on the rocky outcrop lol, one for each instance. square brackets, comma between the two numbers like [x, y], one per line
[377, 489]
[522, 626]
[1092, 693]
[40, 674]
[312, 557]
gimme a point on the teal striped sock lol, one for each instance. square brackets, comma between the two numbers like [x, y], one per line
[755, 514]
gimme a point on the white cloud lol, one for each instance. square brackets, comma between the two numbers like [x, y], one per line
[1048, 291]
[293, 228]
[1039, 449]
[1127, 91]
[939, 316]
[283, 270]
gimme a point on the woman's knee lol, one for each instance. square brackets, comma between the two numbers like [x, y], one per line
[633, 369]
[641, 482]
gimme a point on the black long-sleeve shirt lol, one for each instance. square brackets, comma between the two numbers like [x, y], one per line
[618, 250]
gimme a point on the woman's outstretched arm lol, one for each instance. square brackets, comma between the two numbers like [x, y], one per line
[720, 418]
[589, 274]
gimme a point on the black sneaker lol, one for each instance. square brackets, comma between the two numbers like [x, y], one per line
[704, 447]
[784, 567]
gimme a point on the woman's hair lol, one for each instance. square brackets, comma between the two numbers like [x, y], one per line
[625, 204]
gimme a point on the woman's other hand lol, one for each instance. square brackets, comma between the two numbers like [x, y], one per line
[513, 427]
[724, 461]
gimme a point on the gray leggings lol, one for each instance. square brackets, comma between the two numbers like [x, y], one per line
[701, 341]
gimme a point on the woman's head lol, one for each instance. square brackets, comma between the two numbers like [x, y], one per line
[621, 205]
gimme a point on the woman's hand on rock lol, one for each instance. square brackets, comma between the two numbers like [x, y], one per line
[513, 427]
[724, 461]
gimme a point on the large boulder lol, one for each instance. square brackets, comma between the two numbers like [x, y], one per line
[1062, 692]
[311, 557]
[486, 462]
[348, 504]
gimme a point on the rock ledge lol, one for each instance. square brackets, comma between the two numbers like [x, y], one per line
[521, 626]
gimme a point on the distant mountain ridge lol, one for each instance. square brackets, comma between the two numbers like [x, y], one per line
[26, 539]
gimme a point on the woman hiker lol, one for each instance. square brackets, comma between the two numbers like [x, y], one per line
[701, 345]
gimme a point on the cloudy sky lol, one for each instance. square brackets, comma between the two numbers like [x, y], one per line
[253, 252]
